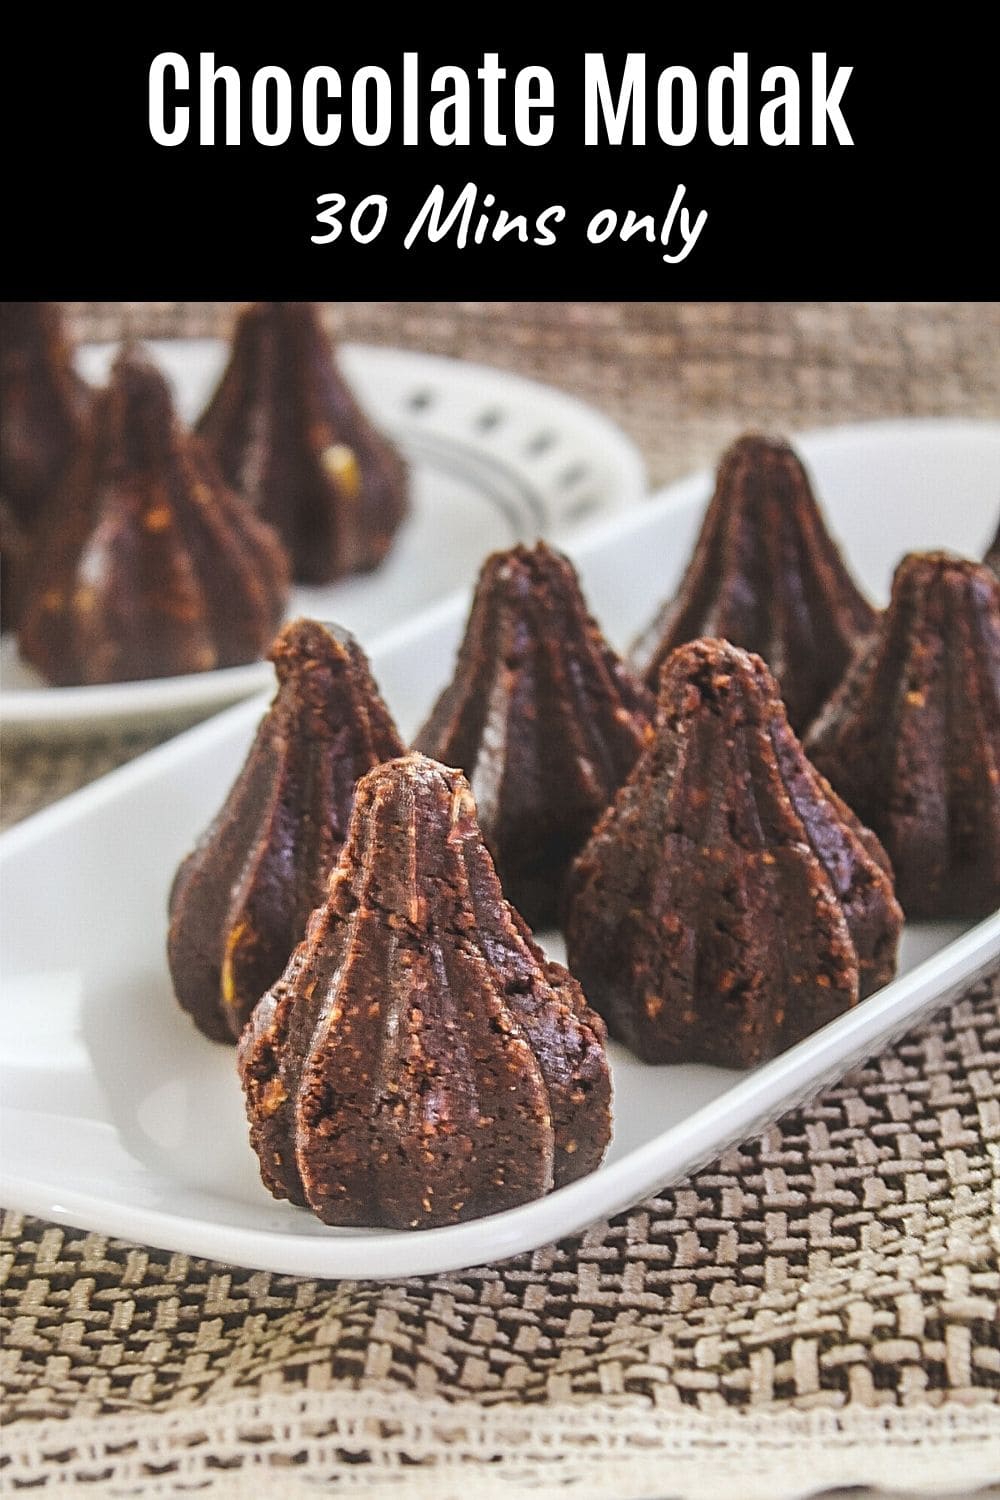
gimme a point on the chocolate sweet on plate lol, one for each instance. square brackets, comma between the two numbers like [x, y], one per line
[290, 436]
[912, 737]
[543, 717]
[149, 566]
[14, 553]
[728, 903]
[992, 558]
[241, 900]
[44, 407]
[766, 575]
[421, 1061]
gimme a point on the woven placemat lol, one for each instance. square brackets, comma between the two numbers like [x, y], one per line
[839, 1275]
[821, 1306]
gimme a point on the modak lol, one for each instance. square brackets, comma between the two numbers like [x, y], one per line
[240, 902]
[766, 575]
[149, 566]
[288, 434]
[44, 407]
[421, 1061]
[728, 903]
[912, 736]
[542, 716]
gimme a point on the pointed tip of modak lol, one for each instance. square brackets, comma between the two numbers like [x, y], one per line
[140, 405]
[762, 446]
[717, 671]
[756, 459]
[536, 562]
[543, 716]
[133, 362]
[766, 573]
[306, 639]
[919, 571]
[418, 776]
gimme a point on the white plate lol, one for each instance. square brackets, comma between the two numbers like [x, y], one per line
[496, 459]
[119, 1116]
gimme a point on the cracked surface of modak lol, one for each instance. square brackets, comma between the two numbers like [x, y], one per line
[241, 900]
[421, 1061]
[766, 575]
[542, 716]
[912, 736]
[150, 567]
[44, 407]
[728, 903]
[288, 433]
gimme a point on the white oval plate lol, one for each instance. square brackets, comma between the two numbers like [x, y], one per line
[496, 459]
[118, 1115]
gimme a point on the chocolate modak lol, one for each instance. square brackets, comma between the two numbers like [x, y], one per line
[241, 900]
[149, 566]
[44, 407]
[288, 434]
[15, 549]
[766, 575]
[912, 736]
[421, 1061]
[542, 716]
[992, 558]
[728, 903]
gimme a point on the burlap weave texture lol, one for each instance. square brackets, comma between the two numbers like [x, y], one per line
[850, 1255]
[838, 1278]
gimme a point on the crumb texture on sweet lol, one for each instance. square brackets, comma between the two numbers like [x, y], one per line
[241, 899]
[728, 903]
[766, 575]
[421, 1061]
[912, 737]
[542, 716]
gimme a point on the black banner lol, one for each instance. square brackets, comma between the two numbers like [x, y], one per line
[733, 167]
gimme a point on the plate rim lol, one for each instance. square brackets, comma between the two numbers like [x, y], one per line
[751, 1101]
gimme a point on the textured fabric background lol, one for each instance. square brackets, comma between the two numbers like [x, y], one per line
[820, 1306]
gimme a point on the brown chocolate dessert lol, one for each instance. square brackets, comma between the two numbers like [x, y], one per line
[241, 901]
[14, 552]
[912, 737]
[729, 903]
[44, 407]
[149, 566]
[289, 435]
[992, 558]
[543, 718]
[766, 575]
[421, 1061]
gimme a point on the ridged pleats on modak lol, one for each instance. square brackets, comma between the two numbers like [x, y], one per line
[241, 901]
[729, 903]
[766, 575]
[542, 716]
[44, 407]
[288, 433]
[912, 737]
[150, 567]
[421, 1061]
